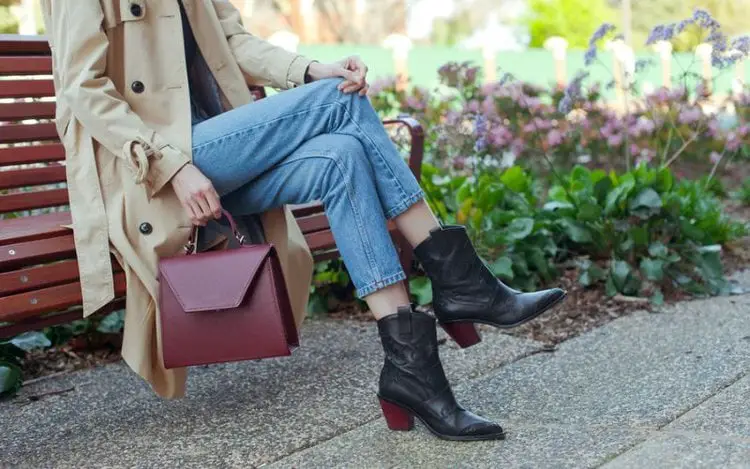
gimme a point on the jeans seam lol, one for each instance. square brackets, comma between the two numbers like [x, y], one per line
[358, 220]
[404, 204]
[381, 283]
[373, 145]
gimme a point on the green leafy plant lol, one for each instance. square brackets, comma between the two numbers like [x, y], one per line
[743, 193]
[652, 231]
[11, 354]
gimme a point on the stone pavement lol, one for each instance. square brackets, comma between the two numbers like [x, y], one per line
[666, 390]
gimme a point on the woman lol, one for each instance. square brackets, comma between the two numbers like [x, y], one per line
[161, 132]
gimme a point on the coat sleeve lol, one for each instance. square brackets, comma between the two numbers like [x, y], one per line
[260, 61]
[79, 51]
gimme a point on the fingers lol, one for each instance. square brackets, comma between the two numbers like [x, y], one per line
[205, 204]
[360, 66]
[194, 210]
[350, 87]
[349, 77]
[214, 204]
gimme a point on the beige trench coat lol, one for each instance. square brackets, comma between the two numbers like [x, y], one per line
[124, 142]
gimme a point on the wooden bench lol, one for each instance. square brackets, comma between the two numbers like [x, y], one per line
[39, 282]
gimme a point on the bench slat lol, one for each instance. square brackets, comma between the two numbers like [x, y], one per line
[48, 275]
[26, 65]
[21, 111]
[26, 88]
[48, 225]
[21, 44]
[32, 177]
[36, 252]
[326, 255]
[39, 322]
[313, 223]
[15, 133]
[303, 210]
[27, 305]
[31, 200]
[32, 154]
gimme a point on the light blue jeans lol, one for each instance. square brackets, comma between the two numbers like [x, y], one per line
[314, 143]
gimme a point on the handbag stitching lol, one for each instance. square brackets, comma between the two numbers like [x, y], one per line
[276, 302]
[250, 279]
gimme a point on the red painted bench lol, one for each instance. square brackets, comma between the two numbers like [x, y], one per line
[39, 284]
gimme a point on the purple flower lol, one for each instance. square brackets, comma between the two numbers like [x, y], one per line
[480, 144]
[743, 130]
[662, 32]
[601, 32]
[500, 136]
[705, 20]
[472, 106]
[488, 106]
[565, 105]
[742, 44]
[590, 55]
[689, 116]
[572, 91]
[634, 150]
[715, 157]
[517, 147]
[642, 126]
[542, 124]
[614, 140]
[480, 125]
[554, 138]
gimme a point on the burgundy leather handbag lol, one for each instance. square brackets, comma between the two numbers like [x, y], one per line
[223, 306]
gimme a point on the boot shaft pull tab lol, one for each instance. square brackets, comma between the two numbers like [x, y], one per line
[404, 321]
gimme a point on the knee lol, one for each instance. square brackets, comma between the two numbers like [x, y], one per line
[347, 159]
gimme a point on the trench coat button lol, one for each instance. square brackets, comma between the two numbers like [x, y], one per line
[136, 10]
[138, 87]
[146, 228]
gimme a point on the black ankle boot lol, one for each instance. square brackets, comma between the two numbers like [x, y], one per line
[413, 383]
[464, 291]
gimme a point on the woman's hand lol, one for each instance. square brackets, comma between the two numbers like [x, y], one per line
[352, 69]
[197, 195]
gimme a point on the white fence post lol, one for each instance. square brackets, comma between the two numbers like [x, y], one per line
[559, 47]
[664, 49]
[703, 51]
[400, 46]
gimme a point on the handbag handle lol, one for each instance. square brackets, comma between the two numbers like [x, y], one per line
[190, 246]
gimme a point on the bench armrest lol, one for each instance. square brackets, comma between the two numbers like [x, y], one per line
[416, 151]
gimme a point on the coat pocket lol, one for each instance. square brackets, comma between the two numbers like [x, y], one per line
[117, 12]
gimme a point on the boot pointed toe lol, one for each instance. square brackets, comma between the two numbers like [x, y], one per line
[483, 429]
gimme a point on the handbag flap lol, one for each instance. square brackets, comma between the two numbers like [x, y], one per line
[213, 281]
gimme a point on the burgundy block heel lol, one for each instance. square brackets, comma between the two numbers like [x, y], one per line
[464, 333]
[397, 418]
